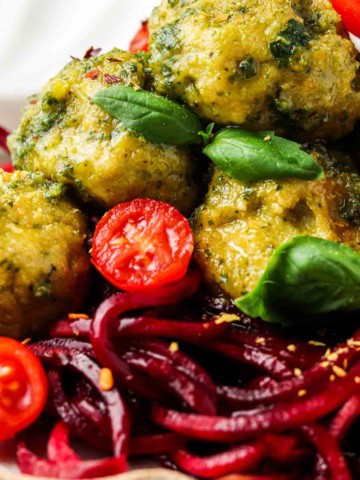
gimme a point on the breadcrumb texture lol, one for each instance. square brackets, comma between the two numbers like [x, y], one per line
[282, 64]
[240, 225]
[70, 139]
[44, 266]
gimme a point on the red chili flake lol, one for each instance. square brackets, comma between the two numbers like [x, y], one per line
[3, 136]
[33, 101]
[111, 79]
[92, 52]
[115, 60]
[8, 167]
[94, 73]
[74, 58]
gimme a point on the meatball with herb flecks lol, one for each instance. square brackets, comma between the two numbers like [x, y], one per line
[239, 225]
[284, 65]
[70, 139]
[44, 265]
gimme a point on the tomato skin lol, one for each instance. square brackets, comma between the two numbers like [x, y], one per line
[142, 244]
[350, 14]
[23, 387]
[140, 43]
[8, 167]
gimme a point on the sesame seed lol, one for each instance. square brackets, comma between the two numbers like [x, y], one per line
[106, 380]
[340, 372]
[226, 318]
[260, 340]
[302, 393]
[345, 364]
[78, 316]
[26, 341]
[291, 348]
[332, 377]
[316, 344]
[297, 372]
[267, 138]
[357, 380]
[174, 347]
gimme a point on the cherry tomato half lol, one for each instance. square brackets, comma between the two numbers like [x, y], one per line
[140, 43]
[143, 243]
[7, 167]
[350, 14]
[23, 387]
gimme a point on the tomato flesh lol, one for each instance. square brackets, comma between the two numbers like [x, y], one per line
[140, 43]
[142, 244]
[23, 387]
[350, 14]
[8, 167]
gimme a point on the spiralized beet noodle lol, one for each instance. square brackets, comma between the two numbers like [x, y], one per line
[210, 396]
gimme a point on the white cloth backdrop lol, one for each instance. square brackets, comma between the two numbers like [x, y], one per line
[38, 36]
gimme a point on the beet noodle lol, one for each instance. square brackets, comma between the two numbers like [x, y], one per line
[243, 401]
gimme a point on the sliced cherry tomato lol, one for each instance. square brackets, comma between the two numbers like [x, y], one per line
[3, 137]
[140, 43]
[23, 387]
[7, 167]
[350, 14]
[141, 244]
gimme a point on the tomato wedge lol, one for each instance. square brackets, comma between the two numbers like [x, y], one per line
[23, 387]
[140, 43]
[350, 14]
[7, 167]
[142, 244]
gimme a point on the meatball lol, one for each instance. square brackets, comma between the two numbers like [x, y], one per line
[285, 65]
[68, 138]
[44, 266]
[240, 225]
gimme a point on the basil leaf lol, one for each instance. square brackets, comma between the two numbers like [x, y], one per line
[156, 118]
[305, 276]
[248, 156]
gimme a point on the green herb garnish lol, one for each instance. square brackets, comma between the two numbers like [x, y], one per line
[293, 37]
[156, 118]
[305, 277]
[253, 156]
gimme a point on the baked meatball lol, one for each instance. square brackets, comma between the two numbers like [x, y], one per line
[69, 138]
[240, 225]
[286, 65]
[44, 266]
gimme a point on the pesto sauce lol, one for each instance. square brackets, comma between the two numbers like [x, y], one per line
[289, 40]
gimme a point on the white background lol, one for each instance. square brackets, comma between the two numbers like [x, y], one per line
[37, 38]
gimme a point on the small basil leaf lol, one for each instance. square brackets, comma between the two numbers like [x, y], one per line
[306, 276]
[156, 118]
[207, 135]
[248, 156]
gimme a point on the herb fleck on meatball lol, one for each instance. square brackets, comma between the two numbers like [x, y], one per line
[285, 65]
[240, 224]
[44, 266]
[70, 139]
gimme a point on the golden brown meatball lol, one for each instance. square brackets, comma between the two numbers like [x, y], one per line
[240, 225]
[65, 135]
[44, 266]
[265, 65]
